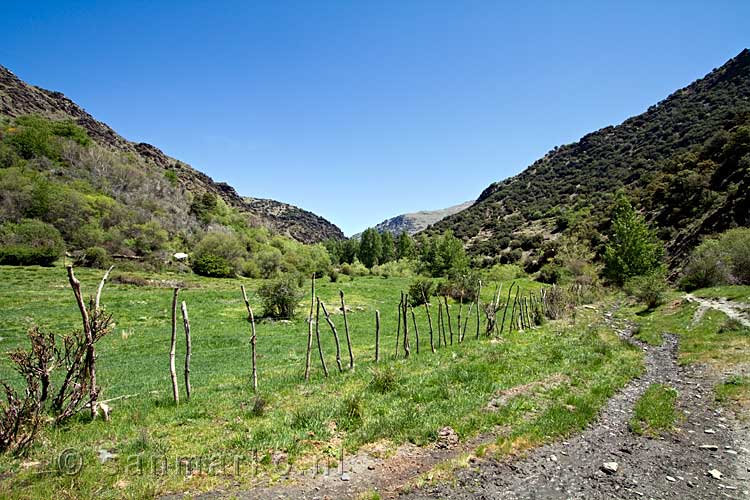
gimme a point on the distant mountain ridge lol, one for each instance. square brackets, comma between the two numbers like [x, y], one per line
[415, 222]
[17, 98]
[669, 159]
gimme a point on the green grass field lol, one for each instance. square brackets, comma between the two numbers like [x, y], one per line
[394, 402]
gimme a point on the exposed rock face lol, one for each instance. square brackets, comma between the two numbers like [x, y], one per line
[18, 98]
[414, 222]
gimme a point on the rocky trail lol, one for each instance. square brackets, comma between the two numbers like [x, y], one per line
[707, 456]
[735, 310]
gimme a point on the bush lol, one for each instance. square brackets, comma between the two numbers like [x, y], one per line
[30, 242]
[404, 268]
[460, 285]
[96, 257]
[650, 290]
[721, 261]
[218, 255]
[736, 243]
[419, 290]
[213, 266]
[384, 380]
[356, 268]
[706, 267]
[504, 272]
[280, 297]
[550, 274]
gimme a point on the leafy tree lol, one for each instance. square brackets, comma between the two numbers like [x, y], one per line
[370, 247]
[405, 246]
[389, 248]
[633, 248]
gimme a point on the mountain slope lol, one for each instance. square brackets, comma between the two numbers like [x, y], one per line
[415, 222]
[575, 182]
[18, 98]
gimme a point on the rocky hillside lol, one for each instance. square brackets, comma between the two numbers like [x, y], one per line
[415, 222]
[18, 98]
[685, 162]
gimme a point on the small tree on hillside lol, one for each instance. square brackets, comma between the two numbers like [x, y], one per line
[633, 248]
[388, 252]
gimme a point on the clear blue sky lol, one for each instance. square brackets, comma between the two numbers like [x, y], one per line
[361, 110]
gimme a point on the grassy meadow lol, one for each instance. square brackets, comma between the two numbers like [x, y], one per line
[290, 422]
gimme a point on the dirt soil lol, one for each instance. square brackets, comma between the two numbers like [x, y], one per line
[708, 438]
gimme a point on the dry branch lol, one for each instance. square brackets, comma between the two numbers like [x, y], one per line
[346, 329]
[172, 347]
[188, 347]
[335, 335]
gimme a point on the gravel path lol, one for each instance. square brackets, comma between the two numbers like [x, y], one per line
[672, 467]
[735, 310]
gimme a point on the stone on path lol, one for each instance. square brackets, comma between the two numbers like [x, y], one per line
[609, 467]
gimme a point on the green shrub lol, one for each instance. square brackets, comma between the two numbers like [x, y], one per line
[460, 285]
[706, 267]
[550, 274]
[504, 272]
[218, 255]
[419, 290]
[356, 268]
[212, 266]
[650, 290]
[30, 242]
[736, 244]
[404, 268]
[96, 257]
[280, 297]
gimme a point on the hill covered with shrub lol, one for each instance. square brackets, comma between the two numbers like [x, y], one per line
[98, 148]
[685, 163]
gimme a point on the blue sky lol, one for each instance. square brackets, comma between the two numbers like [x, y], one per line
[361, 110]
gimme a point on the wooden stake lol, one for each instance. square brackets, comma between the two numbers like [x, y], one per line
[416, 328]
[398, 327]
[317, 336]
[448, 315]
[189, 348]
[377, 336]
[310, 330]
[460, 307]
[101, 287]
[507, 303]
[466, 320]
[513, 311]
[90, 353]
[172, 347]
[478, 301]
[429, 321]
[346, 328]
[335, 335]
[407, 348]
[253, 337]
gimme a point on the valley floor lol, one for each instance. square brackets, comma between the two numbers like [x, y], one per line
[706, 436]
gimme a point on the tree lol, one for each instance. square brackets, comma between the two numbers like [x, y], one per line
[389, 248]
[405, 246]
[370, 248]
[633, 248]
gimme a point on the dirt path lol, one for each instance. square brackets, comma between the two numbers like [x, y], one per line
[673, 467]
[735, 310]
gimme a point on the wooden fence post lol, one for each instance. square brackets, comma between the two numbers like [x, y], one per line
[188, 348]
[416, 328]
[317, 336]
[429, 320]
[478, 302]
[335, 335]
[448, 315]
[310, 330]
[407, 348]
[377, 335]
[346, 328]
[88, 334]
[173, 345]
